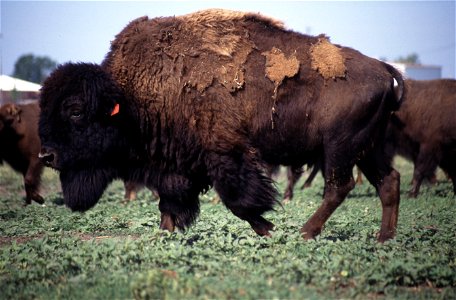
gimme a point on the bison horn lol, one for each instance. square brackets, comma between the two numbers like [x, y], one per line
[47, 156]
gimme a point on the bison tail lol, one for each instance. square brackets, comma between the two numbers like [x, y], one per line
[399, 86]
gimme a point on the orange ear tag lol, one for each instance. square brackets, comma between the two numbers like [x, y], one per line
[115, 110]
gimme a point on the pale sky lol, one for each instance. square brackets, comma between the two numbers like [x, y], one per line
[81, 31]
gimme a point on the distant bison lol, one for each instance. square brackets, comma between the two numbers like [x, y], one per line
[20, 145]
[207, 99]
[132, 188]
[293, 175]
[424, 129]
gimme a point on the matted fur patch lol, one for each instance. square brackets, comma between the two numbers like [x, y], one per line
[327, 59]
[216, 32]
[216, 28]
[278, 66]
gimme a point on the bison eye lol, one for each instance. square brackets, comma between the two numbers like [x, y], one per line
[76, 115]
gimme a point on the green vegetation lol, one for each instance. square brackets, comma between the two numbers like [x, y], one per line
[115, 250]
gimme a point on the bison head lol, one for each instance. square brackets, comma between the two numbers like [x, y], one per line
[9, 115]
[80, 131]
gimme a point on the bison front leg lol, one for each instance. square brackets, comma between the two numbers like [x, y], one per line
[243, 188]
[167, 220]
[32, 179]
[448, 165]
[179, 202]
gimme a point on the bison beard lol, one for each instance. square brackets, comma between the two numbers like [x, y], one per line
[211, 98]
[83, 188]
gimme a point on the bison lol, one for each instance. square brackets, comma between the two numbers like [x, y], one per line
[20, 145]
[423, 130]
[294, 173]
[132, 188]
[207, 99]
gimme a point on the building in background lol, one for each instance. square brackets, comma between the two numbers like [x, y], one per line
[418, 71]
[17, 90]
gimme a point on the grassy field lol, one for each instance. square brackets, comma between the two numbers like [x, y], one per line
[115, 250]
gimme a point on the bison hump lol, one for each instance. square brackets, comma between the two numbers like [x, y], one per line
[212, 44]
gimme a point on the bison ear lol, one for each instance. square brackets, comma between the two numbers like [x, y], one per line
[115, 110]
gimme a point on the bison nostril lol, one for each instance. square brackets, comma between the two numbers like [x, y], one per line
[47, 157]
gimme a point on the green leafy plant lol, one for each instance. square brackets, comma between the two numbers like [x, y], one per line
[116, 250]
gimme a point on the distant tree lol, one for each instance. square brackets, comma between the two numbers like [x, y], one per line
[409, 59]
[33, 68]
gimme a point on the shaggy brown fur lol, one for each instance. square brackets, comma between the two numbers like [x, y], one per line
[424, 129]
[20, 145]
[195, 111]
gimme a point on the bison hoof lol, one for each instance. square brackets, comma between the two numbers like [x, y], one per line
[412, 194]
[263, 228]
[38, 199]
[167, 222]
[385, 236]
[309, 233]
[306, 186]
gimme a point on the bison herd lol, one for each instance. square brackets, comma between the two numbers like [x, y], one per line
[218, 98]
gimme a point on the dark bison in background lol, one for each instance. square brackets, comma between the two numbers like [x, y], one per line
[424, 129]
[20, 145]
[294, 173]
[207, 99]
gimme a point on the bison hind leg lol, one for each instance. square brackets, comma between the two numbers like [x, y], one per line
[337, 187]
[425, 165]
[386, 180]
[244, 188]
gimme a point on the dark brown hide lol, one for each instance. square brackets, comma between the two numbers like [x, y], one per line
[424, 129]
[20, 145]
[200, 107]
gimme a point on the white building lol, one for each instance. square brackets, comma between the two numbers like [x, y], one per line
[14, 90]
[418, 71]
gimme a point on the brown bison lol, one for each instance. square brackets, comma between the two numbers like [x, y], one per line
[424, 130]
[20, 145]
[207, 99]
